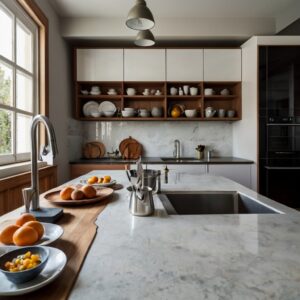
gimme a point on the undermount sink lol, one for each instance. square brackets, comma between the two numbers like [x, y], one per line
[181, 159]
[198, 203]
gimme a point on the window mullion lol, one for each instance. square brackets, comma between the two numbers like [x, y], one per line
[14, 89]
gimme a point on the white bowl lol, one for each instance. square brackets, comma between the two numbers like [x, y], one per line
[84, 92]
[127, 114]
[129, 109]
[95, 114]
[190, 113]
[130, 91]
[109, 113]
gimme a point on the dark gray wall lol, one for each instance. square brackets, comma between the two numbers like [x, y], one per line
[292, 29]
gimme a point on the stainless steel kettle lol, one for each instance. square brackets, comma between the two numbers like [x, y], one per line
[141, 201]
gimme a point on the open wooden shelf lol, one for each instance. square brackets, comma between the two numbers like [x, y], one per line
[164, 101]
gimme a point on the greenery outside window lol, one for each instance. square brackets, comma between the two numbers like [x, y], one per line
[18, 81]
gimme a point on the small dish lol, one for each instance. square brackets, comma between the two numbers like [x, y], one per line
[96, 114]
[84, 92]
[127, 114]
[97, 185]
[26, 275]
[108, 113]
[112, 93]
[56, 263]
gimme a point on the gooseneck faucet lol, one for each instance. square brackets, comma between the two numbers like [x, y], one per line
[177, 149]
[31, 195]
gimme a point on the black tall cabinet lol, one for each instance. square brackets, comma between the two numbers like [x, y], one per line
[279, 123]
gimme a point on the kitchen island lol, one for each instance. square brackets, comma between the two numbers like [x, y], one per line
[191, 256]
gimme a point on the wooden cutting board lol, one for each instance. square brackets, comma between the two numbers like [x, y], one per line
[130, 148]
[79, 232]
[93, 150]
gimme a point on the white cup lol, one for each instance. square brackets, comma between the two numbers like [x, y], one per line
[208, 92]
[186, 89]
[193, 91]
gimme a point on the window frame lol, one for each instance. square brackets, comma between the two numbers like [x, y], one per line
[35, 14]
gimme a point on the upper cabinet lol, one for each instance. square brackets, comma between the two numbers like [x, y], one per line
[144, 65]
[99, 64]
[222, 65]
[184, 64]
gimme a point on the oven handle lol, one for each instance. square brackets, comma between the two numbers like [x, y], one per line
[282, 168]
[283, 124]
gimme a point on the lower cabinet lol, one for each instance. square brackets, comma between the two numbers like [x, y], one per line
[240, 173]
[77, 170]
[11, 187]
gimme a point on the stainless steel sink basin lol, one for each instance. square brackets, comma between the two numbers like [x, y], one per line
[197, 203]
[181, 159]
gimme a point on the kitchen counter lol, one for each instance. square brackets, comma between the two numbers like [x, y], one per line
[191, 256]
[158, 160]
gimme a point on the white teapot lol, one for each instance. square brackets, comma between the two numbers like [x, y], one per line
[210, 112]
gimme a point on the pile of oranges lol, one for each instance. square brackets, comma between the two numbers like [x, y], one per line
[95, 179]
[25, 232]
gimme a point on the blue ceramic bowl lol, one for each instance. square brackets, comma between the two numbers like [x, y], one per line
[23, 276]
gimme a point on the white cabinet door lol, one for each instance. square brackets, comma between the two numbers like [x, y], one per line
[184, 64]
[99, 64]
[144, 65]
[240, 173]
[222, 65]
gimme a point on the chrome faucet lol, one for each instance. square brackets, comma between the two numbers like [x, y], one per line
[176, 152]
[31, 195]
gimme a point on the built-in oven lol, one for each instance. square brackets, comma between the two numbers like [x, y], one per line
[279, 123]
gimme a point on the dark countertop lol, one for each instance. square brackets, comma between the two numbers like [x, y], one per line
[169, 161]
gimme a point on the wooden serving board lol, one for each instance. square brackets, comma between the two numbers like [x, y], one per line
[80, 230]
[54, 197]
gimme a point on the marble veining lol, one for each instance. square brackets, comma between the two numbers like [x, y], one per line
[237, 257]
[158, 137]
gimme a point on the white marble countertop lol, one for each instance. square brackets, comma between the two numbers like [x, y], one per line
[192, 257]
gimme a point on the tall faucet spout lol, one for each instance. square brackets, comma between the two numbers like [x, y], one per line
[34, 155]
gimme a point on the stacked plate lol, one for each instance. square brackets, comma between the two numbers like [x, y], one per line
[92, 108]
[107, 108]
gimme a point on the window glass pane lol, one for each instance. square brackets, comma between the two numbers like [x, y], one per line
[6, 34]
[24, 92]
[5, 131]
[24, 47]
[6, 84]
[23, 133]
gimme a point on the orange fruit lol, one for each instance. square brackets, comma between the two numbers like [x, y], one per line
[6, 235]
[25, 236]
[66, 192]
[89, 191]
[37, 226]
[175, 113]
[25, 218]
[92, 180]
[107, 179]
[100, 180]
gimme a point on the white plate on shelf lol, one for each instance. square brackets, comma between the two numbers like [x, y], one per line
[107, 106]
[52, 233]
[56, 263]
[89, 107]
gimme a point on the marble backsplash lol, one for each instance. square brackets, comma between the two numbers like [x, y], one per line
[157, 138]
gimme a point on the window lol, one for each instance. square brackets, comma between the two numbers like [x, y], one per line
[18, 81]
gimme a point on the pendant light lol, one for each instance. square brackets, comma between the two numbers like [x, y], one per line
[140, 17]
[145, 38]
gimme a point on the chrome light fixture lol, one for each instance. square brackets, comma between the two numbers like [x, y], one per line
[140, 17]
[145, 38]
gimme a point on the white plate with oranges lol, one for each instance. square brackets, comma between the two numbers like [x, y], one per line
[27, 231]
[104, 181]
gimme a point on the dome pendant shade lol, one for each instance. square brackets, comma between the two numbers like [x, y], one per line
[140, 17]
[145, 38]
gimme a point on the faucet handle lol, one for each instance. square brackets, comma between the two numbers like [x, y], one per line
[27, 197]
